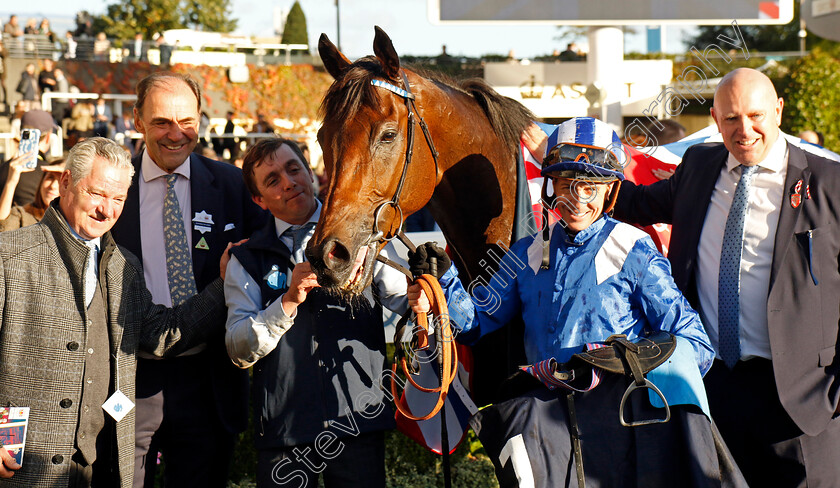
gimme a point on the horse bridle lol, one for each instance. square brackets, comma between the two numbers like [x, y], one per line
[411, 107]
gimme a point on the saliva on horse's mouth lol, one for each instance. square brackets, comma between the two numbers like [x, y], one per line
[358, 270]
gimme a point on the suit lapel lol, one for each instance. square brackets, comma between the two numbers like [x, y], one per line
[797, 170]
[699, 188]
[206, 197]
[127, 227]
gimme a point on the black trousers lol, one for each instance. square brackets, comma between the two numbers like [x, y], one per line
[177, 415]
[767, 445]
[359, 464]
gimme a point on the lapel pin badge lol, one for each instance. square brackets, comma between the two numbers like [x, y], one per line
[796, 195]
[202, 244]
[203, 222]
[275, 278]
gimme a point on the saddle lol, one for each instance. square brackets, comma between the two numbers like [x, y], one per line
[619, 356]
[632, 359]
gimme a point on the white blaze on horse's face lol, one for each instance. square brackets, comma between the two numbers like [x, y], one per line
[286, 188]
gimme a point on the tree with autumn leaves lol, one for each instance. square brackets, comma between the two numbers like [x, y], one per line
[125, 18]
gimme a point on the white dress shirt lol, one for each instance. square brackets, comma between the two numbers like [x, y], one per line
[762, 218]
[254, 328]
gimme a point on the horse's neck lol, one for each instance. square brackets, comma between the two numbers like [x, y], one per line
[474, 203]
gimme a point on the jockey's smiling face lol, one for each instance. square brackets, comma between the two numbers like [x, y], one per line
[580, 202]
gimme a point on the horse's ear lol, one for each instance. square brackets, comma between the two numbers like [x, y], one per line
[385, 52]
[335, 62]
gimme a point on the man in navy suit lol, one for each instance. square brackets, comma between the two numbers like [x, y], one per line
[189, 407]
[772, 312]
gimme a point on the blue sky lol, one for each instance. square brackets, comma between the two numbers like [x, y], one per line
[405, 21]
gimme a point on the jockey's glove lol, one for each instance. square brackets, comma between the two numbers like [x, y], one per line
[419, 261]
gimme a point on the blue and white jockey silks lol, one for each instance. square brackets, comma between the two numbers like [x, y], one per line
[609, 279]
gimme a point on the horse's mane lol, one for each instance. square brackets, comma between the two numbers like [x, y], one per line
[353, 90]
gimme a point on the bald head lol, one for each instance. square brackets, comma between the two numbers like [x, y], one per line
[748, 113]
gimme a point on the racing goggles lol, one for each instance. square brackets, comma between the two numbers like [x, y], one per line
[583, 162]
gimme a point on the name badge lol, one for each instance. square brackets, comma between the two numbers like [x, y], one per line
[118, 405]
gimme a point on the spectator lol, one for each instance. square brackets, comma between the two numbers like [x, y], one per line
[15, 217]
[81, 124]
[571, 53]
[262, 126]
[812, 136]
[27, 186]
[11, 28]
[102, 116]
[44, 30]
[20, 109]
[165, 50]
[60, 106]
[231, 144]
[70, 53]
[203, 131]
[73, 313]
[31, 27]
[137, 49]
[124, 130]
[46, 78]
[102, 48]
[28, 88]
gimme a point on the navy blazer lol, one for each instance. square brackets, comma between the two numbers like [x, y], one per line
[219, 190]
[803, 303]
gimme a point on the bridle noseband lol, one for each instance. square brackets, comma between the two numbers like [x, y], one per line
[411, 106]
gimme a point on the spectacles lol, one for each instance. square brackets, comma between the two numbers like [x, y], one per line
[583, 191]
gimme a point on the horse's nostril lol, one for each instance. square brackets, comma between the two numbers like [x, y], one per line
[336, 254]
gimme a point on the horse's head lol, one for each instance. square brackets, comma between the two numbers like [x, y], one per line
[365, 137]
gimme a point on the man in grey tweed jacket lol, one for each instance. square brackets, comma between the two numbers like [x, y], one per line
[54, 316]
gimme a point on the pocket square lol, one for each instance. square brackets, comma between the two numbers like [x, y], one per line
[229, 227]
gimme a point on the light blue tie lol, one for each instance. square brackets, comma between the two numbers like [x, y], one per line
[300, 235]
[90, 271]
[178, 261]
[729, 280]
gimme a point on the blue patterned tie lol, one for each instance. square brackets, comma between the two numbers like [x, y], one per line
[300, 235]
[729, 280]
[178, 261]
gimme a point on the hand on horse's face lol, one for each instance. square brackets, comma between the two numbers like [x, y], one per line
[417, 299]
[302, 282]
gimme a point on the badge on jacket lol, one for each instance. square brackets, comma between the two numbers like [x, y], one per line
[796, 195]
[275, 279]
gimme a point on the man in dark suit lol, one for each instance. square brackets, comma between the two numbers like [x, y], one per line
[754, 246]
[184, 208]
[138, 50]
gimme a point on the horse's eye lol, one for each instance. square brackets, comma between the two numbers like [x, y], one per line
[388, 136]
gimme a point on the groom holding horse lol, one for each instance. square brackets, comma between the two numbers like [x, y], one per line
[317, 357]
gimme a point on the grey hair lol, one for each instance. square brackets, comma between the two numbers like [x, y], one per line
[81, 157]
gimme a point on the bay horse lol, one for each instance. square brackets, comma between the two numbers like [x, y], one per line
[379, 171]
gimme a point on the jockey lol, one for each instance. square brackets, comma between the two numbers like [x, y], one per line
[585, 277]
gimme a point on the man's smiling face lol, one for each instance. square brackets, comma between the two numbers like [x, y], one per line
[286, 188]
[169, 122]
[748, 113]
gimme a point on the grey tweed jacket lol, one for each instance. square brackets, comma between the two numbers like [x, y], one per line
[43, 338]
